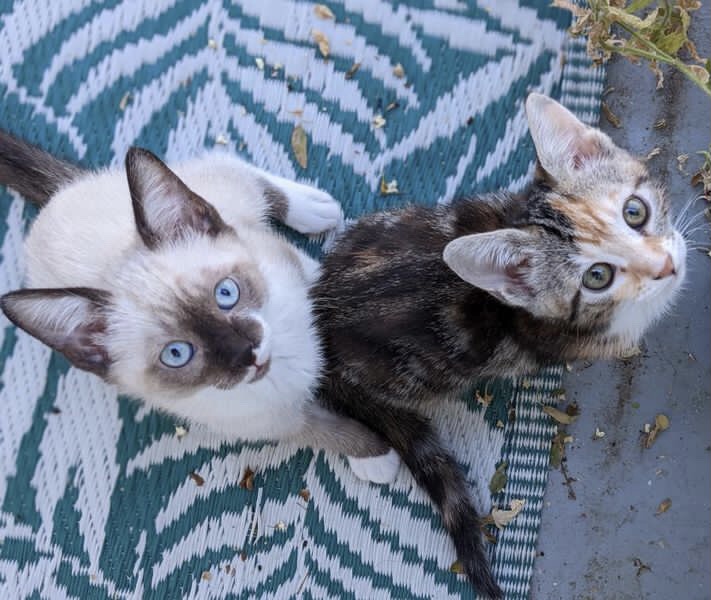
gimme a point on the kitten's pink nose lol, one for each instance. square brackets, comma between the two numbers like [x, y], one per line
[668, 268]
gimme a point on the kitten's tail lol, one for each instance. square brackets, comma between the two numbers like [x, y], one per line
[435, 469]
[34, 173]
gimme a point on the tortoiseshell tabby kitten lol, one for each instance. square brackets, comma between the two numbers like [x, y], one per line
[414, 304]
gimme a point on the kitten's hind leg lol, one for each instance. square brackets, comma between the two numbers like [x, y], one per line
[301, 207]
[242, 192]
[370, 458]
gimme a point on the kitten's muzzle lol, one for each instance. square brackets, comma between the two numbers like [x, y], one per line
[668, 269]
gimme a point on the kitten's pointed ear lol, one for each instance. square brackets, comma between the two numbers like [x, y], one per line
[70, 320]
[563, 143]
[497, 262]
[164, 207]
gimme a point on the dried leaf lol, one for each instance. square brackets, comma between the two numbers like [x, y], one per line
[703, 175]
[388, 188]
[660, 124]
[661, 422]
[653, 152]
[322, 41]
[610, 116]
[484, 400]
[206, 575]
[557, 453]
[199, 481]
[399, 71]
[378, 121]
[305, 494]
[457, 568]
[125, 99]
[658, 73]
[630, 352]
[500, 424]
[498, 479]
[352, 71]
[503, 517]
[681, 162]
[650, 433]
[247, 481]
[392, 106]
[299, 145]
[664, 506]
[559, 415]
[323, 12]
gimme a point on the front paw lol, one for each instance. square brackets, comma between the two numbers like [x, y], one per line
[311, 210]
[378, 469]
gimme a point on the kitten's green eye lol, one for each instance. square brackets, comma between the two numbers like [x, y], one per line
[598, 277]
[176, 354]
[635, 212]
[227, 293]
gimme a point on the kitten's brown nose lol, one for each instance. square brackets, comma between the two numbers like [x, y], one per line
[668, 268]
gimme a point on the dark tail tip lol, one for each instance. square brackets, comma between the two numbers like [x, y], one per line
[482, 579]
[34, 173]
[472, 555]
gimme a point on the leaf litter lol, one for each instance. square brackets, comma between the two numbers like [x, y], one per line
[663, 507]
[499, 479]
[323, 12]
[247, 481]
[299, 145]
[322, 42]
[651, 432]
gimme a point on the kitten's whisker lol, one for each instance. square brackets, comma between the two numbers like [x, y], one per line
[687, 234]
[687, 206]
[699, 215]
[695, 220]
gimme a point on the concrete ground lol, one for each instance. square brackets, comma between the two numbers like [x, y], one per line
[608, 542]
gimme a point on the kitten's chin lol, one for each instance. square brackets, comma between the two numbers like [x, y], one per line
[632, 320]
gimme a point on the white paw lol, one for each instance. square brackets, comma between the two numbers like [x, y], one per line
[311, 210]
[378, 469]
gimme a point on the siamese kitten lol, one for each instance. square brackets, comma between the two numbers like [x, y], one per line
[414, 304]
[196, 307]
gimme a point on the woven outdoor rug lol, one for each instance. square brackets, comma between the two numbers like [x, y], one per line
[97, 499]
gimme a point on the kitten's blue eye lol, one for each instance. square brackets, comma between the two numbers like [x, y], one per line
[635, 212]
[227, 293]
[176, 354]
[598, 277]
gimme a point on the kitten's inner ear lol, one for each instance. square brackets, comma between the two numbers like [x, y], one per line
[497, 262]
[69, 320]
[163, 206]
[563, 143]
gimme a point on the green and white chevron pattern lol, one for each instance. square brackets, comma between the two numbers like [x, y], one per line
[97, 499]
